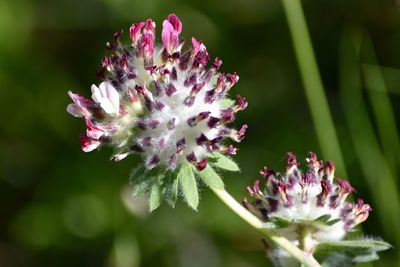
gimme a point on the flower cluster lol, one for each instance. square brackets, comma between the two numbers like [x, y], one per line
[160, 101]
[166, 104]
[311, 202]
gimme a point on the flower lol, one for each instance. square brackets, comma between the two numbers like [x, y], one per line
[306, 207]
[160, 101]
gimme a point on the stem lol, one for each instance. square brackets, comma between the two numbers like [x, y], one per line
[260, 226]
[306, 242]
[313, 87]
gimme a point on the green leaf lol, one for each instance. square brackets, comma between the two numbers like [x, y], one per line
[188, 185]
[366, 258]
[156, 196]
[332, 222]
[223, 162]
[359, 244]
[326, 220]
[171, 194]
[281, 222]
[141, 186]
[210, 177]
[227, 103]
[360, 250]
[142, 181]
[136, 173]
[174, 190]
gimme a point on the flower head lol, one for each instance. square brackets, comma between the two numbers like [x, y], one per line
[160, 101]
[312, 201]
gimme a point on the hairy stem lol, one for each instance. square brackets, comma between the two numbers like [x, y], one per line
[260, 226]
[306, 241]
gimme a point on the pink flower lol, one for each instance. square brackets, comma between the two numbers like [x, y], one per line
[88, 144]
[80, 107]
[135, 32]
[160, 101]
[172, 27]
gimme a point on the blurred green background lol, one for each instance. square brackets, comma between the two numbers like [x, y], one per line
[62, 207]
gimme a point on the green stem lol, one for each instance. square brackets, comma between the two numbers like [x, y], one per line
[306, 241]
[313, 87]
[260, 226]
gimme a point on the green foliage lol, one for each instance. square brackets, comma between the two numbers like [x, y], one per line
[349, 251]
[172, 190]
[326, 220]
[281, 222]
[165, 185]
[156, 195]
[188, 184]
[159, 184]
[210, 177]
[142, 181]
[223, 162]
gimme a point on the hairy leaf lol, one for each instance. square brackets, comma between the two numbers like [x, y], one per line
[223, 162]
[156, 196]
[171, 193]
[210, 177]
[142, 181]
[281, 222]
[351, 251]
[187, 181]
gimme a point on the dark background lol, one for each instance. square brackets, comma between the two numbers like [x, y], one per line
[62, 207]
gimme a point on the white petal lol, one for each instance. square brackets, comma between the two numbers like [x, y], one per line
[96, 95]
[119, 157]
[113, 97]
[107, 106]
[107, 96]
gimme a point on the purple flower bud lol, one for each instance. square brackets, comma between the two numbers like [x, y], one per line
[172, 27]
[147, 46]
[170, 90]
[153, 160]
[201, 165]
[88, 144]
[81, 106]
[191, 157]
[180, 146]
[242, 103]
[135, 32]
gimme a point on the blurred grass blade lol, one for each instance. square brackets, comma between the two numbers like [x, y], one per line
[381, 107]
[374, 166]
[391, 77]
[313, 87]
